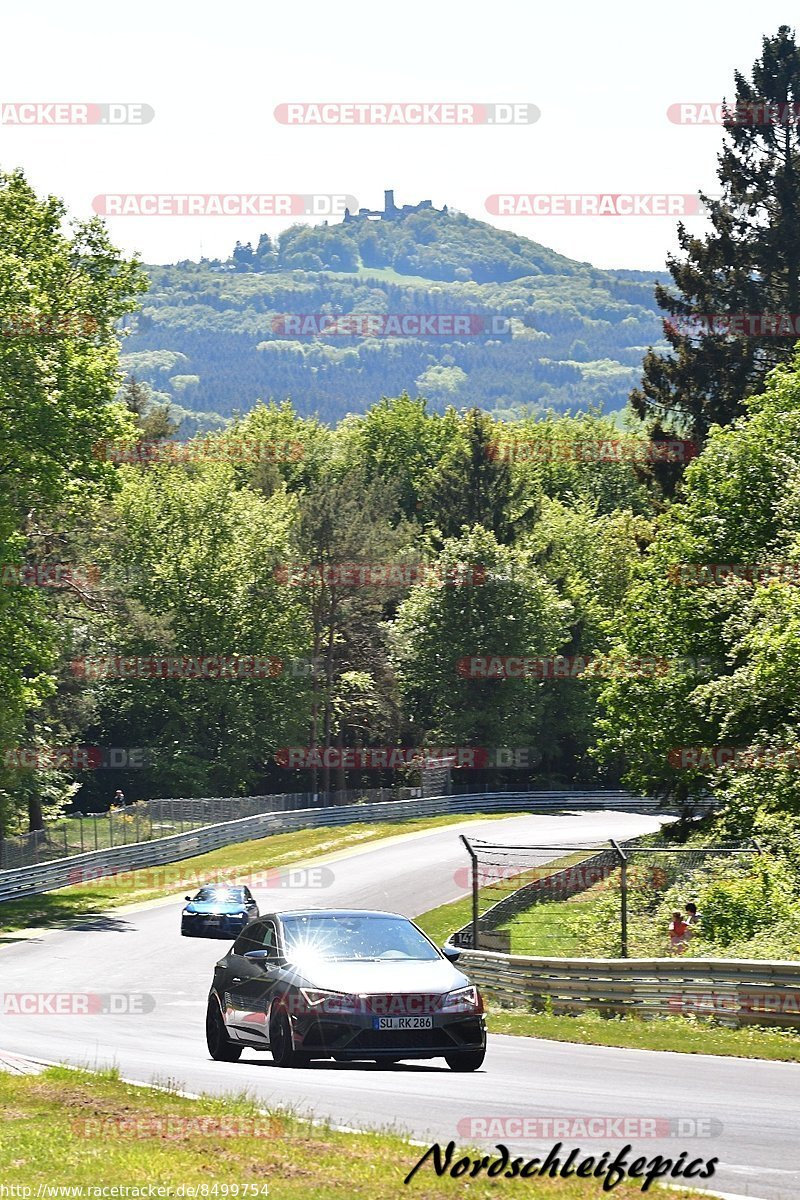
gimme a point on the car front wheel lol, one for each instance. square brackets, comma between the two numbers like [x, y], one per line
[465, 1060]
[220, 1046]
[280, 1043]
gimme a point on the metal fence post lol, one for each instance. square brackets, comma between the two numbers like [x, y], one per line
[623, 901]
[474, 857]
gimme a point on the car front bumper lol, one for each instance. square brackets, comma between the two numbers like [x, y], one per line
[355, 1037]
[213, 927]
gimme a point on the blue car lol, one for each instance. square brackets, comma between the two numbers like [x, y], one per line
[218, 911]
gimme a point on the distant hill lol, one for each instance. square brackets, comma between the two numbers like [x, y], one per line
[545, 332]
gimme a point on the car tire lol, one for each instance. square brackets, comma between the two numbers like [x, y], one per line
[466, 1060]
[280, 1042]
[220, 1046]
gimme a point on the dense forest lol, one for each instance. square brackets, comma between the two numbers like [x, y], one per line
[212, 337]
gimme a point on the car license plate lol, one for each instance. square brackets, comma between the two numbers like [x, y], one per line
[403, 1022]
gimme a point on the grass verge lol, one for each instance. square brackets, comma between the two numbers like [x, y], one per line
[441, 922]
[85, 900]
[682, 1035]
[76, 1130]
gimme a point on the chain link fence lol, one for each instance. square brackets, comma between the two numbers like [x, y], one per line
[149, 820]
[595, 899]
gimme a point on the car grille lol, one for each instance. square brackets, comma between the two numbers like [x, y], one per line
[402, 1039]
[403, 1004]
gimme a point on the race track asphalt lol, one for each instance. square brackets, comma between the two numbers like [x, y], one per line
[752, 1108]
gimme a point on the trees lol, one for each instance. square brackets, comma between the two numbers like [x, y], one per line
[199, 555]
[717, 594]
[748, 264]
[507, 608]
[60, 296]
[472, 484]
[347, 518]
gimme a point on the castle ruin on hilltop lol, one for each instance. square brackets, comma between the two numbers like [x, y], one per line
[390, 210]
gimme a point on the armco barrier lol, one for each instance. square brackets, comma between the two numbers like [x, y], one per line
[733, 992]
[97, 863]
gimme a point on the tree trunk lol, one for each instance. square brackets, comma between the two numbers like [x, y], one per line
[35, 819]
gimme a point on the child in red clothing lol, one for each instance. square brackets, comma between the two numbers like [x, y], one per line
[678, 933]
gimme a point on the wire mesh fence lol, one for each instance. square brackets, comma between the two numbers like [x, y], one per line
[149, 820]
[596, 900]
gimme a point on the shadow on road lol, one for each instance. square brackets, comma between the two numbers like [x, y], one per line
[417, 1068]
[63, 918]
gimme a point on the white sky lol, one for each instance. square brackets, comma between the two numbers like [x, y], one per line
[603, 76]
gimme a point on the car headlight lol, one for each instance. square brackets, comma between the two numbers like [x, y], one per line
[463, 1000]
[186, 913]
[239, 914]
[331, 1002]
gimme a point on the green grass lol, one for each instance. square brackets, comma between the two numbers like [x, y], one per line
[65, 906]
[389, 275]
[683, 1035]
[553, 930]
[118, 827]
[74, 1129]
[440, 923]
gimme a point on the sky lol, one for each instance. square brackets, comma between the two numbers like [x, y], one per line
[602, 77]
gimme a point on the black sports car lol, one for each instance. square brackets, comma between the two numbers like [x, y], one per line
[343, 984]
[218, 911]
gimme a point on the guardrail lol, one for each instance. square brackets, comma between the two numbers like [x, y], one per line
[733, 992]
[149, 820]
[81, 868]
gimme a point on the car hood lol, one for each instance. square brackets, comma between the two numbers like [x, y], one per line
[210, 907]
[394, 976]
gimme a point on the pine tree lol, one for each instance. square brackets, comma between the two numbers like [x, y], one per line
[473, 485]
[748, 264]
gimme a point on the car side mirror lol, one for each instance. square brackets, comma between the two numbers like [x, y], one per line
[451, 953]
[262, 958]
[187, 897]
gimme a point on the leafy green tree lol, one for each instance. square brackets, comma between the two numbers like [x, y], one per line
[399, 441]
[61, 294]
[200, 556]
[513, 610]
[346, 520]
[739, 511]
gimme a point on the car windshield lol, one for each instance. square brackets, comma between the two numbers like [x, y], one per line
[335, 938]
[220, 895]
